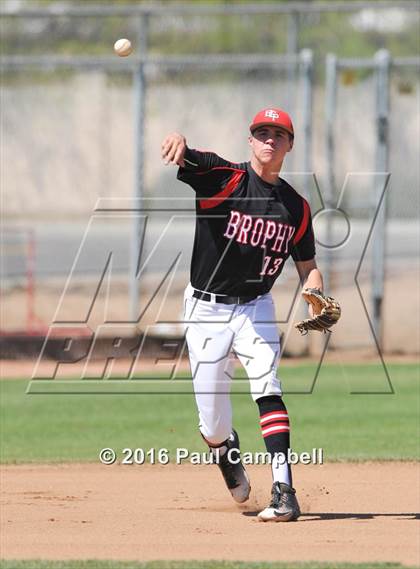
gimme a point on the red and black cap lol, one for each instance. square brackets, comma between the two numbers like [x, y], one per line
[272, 117]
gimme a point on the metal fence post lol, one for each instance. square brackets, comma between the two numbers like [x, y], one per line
[139, 94]
[306, 58]
[292, 50]
[330, 117]
[306, 66]
[383, 61]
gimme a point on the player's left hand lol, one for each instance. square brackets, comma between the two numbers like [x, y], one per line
[311, 310]
[324, 310]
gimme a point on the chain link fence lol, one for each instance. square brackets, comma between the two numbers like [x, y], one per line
[70, 136]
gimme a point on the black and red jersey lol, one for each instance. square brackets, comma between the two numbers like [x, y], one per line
[246, 228]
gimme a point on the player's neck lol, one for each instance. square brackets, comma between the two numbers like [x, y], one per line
[267, 172]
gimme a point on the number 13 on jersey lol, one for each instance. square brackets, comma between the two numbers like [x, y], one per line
[275, 265]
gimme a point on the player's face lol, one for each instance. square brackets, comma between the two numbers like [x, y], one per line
[270, 144]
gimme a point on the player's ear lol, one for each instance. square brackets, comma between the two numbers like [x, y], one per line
[291, 140]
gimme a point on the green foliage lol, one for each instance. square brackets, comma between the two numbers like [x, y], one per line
[44, 428]
[203, 33]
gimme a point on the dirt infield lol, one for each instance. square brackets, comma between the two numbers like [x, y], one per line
[352, 512]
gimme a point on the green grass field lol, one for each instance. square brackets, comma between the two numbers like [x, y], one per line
[189, 565]
[348, 426]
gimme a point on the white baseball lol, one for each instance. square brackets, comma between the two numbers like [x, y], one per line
[123, 47]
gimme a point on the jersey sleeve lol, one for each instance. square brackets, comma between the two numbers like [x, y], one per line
[206, 172]
[303, 248]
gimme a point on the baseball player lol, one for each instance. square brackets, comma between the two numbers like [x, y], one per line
[248, 222]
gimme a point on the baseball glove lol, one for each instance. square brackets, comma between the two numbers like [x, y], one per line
[326, 312]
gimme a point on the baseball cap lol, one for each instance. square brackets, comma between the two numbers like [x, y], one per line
[272, 117]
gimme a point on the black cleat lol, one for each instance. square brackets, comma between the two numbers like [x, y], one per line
[283, 507]
[233, 470]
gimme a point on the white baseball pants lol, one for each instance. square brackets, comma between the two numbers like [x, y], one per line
[213, 331]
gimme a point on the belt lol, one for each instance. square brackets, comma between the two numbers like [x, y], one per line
[209, 297]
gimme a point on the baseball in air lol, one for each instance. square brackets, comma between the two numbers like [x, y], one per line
[123, 47]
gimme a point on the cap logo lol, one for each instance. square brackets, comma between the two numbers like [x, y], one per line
[271, 114]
